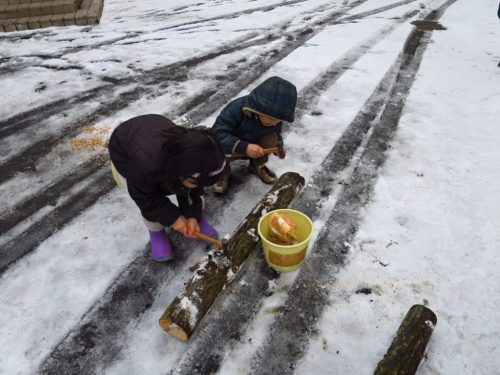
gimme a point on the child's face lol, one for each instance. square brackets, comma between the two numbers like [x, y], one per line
[268, 121]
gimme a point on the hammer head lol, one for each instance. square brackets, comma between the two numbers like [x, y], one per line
[224, 243]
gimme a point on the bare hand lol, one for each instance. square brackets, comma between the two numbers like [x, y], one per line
[181, 225]
[255, 151]
[193, 227]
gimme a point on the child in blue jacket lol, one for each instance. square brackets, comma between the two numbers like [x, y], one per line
[250, 124]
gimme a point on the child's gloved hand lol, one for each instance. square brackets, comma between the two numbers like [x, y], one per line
[255, 151]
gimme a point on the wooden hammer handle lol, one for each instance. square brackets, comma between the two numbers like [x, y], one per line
[272, 150]
[212, 240]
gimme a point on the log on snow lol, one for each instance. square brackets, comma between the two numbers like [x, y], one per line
[182, 316]
[408, 347]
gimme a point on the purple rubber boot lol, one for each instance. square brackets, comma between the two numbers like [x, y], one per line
[206, 228]
[160, 246]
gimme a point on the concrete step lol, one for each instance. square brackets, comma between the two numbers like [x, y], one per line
[49, 13]
[12, 2]
[39, 8]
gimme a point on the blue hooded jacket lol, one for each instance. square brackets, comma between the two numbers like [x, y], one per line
[238, 124]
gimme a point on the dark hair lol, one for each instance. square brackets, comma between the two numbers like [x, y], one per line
[195, 151]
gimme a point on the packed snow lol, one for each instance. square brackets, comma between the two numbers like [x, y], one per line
[429, 234]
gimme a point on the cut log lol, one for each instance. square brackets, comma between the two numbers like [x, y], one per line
[408, 347]
[219, 267]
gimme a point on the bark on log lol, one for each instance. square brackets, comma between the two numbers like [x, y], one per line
[182, 316]
[408, 347]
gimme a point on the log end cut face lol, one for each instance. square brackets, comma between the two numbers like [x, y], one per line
[173, 329]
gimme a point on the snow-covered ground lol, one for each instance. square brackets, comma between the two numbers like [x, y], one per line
[427, 235]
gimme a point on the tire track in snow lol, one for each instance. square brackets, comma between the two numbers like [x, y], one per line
[70, 349]
[75, 204]
[300, 39]
[9, 68]
[26, 159]
[176, 72]
[106, 94]
[312, 91]
[17, 122]
[28, 118]
[228, 89]
[60, 215]
[165, 73]
[226, 323]
[289, 335]
[233, 311]
[24, 210]
[266, 8]
[97, 338]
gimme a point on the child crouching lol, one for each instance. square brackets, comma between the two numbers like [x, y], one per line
[249, 125]
[155, 158]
